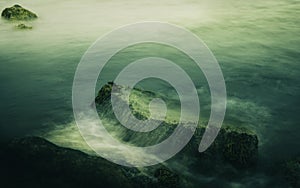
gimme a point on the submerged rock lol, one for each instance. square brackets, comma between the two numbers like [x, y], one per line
[23, 26]
[17, 12]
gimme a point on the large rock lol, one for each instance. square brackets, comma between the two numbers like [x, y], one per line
[17, 12]
[36, 162]
[235, 146]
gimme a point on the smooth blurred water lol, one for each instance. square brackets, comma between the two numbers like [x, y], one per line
[256, 43]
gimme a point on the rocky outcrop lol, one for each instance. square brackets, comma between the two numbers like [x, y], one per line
[36, 162]
[104, 93]
[237, 147]
[17, 12]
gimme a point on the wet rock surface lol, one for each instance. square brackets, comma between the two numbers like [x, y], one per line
[236, 147]
[17, 12]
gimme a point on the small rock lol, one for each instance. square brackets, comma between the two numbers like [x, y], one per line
[23, 26]
[17, 12]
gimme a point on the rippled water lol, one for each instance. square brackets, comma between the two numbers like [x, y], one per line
[256, 43]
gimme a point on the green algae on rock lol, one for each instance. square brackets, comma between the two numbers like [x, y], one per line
[17, 12]
[238, 147]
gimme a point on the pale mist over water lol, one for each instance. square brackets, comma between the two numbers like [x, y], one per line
[256, 43]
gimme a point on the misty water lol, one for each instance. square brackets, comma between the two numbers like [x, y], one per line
[256, 44]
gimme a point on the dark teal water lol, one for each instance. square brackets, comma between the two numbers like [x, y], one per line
[256, 43]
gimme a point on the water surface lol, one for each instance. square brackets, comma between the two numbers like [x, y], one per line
[256, 43]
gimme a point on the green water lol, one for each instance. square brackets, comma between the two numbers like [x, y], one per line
[256, 43]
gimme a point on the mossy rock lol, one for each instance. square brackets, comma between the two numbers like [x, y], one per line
[17, 12]
[238, 147]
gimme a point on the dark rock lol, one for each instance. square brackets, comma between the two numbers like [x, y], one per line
[36, 162]
[17, 12]
[166, 178]
[240, 148]
[104, 93]
[292, 172]
[236, 147]
[23, 26]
